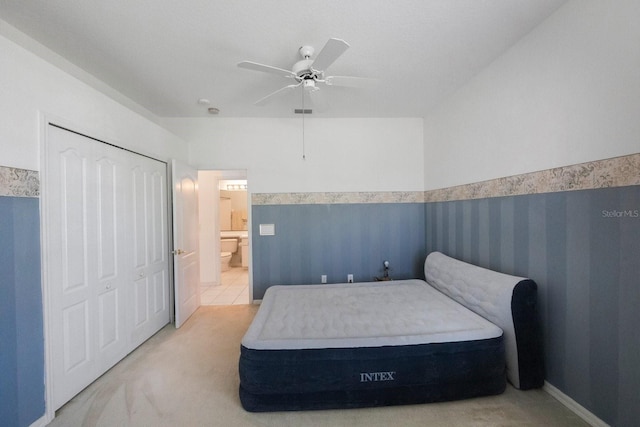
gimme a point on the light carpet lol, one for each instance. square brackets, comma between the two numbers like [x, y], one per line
[189, 377]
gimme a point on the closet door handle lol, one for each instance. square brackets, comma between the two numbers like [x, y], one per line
[177, 252]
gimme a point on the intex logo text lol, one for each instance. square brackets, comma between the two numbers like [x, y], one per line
[621, 214]
[366, 377]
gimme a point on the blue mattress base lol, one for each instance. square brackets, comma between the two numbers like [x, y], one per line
[309, 379]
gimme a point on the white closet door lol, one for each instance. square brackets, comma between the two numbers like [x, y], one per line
[100, 305]
[85, 265]
[149, 290]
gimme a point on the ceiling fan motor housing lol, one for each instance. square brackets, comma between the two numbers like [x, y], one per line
[302, 69]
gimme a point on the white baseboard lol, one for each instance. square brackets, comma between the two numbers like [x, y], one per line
[574, 406]
[41, 422]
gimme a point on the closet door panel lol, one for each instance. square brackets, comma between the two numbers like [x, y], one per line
[141, 302]
[159, 293]
[139, 215]
[69, 220]
[108, 216]
[158, 220]
[158, 250]
[109, 321]
[110, 254]
[72, 214]
[149, 210]
[76, 333]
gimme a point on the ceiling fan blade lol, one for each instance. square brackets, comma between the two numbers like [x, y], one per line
[348, 81]
[265, 68]
[264, 101]
[329, 53]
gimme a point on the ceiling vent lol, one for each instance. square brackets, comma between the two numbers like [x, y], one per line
[303, 111]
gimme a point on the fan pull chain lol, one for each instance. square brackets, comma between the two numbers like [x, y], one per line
[303, 147]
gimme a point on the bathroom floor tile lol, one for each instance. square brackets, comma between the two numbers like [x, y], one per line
[234, 289]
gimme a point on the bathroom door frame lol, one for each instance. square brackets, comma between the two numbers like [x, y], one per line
[230, 174]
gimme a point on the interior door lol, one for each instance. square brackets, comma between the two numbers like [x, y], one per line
[186, 264]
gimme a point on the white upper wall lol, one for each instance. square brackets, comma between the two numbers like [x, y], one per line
[568, 93]
[31, 87]
[342, 155]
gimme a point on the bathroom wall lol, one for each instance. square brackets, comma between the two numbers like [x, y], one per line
[225, 213]
[208, 201]
[236, 210]
[21, 323]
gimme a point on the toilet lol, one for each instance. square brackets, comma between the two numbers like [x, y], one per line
[227, 248]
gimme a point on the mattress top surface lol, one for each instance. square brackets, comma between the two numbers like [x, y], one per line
[372, 314]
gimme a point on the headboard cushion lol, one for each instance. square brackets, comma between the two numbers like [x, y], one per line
[507, 301]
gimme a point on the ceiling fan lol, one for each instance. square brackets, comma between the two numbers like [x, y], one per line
[309, 73]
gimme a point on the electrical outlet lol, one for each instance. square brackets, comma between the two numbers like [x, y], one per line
[349, 278]
[323, 278]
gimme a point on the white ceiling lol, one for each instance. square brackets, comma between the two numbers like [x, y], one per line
[166, 54]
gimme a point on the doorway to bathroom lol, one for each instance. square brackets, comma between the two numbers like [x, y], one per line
[225, 261]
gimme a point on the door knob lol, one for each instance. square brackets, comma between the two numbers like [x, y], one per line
[178, 252]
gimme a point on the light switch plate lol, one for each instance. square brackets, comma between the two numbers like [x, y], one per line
[267, 229]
